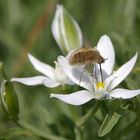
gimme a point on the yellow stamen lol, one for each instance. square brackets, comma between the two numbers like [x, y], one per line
[100, 85]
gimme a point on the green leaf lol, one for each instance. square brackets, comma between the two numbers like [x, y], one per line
[109, 122]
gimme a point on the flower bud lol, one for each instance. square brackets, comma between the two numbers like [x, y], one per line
[9, 100]
[66, 31]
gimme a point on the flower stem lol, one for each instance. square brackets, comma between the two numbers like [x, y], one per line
[81, 122]
[87, 116]
[78, 133]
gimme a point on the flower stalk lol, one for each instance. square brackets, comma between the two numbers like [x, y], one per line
[78, 133]
[88, 115]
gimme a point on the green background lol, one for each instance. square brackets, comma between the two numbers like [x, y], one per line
[25, 26]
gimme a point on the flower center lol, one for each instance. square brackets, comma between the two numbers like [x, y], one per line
[100, 85]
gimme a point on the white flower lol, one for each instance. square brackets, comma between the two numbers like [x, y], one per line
[52, 77]
[94, 88]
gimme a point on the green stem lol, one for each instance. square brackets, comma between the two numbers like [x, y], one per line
[78, 133]
[81, 122]
[87, 116]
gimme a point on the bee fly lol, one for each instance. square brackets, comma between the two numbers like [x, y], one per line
[87, 56]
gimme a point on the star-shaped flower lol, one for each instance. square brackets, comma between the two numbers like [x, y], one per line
[94, 87]
[53, 77]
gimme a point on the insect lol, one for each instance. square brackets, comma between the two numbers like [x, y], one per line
[87, 56]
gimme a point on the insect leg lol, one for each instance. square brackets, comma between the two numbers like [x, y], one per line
[81, 75]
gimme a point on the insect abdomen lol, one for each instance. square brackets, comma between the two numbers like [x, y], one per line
[85, 56]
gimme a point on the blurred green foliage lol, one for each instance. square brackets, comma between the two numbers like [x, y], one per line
[25, 26]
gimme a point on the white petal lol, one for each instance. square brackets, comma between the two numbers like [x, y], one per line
[124, 93]
[30, 81]
[50, 83]
[56, 28]
[42, 67]
[118, 76]
[75, 73]
[69, 82]
[66, 31]
[70, 31]
[76, 98]
[55, 24]
[106, 50]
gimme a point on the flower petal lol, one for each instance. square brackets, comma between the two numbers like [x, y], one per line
[65, 30]
[56, 29]
[50, 83]
[106, 50]
[76, 73]
[124, 93]
[71, 31]
[118, 76]
[30, 81]
[69, 82]
[76, 98]
[42, 67]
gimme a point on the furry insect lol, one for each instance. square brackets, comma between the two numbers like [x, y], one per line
[85, 56]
